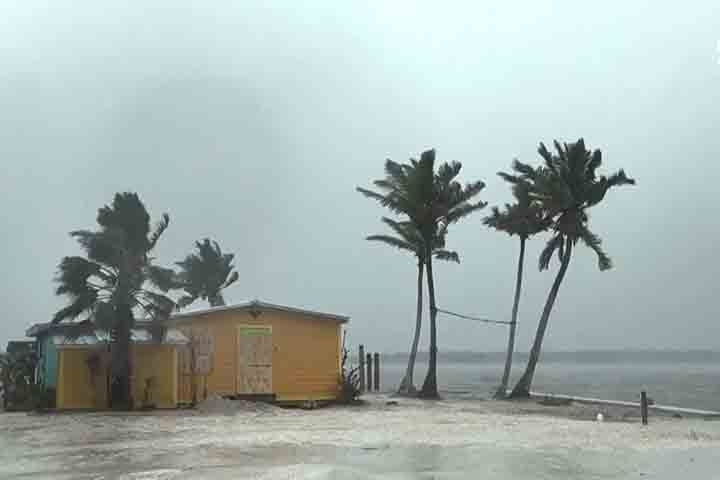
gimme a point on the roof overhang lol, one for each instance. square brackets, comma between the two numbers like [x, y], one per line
[259, 307]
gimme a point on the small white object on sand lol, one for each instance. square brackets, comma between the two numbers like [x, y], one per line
[600, 417]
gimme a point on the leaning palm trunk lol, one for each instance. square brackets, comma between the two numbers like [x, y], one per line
[429, 388]
[502, 389]
[407, 386]
[522, 389]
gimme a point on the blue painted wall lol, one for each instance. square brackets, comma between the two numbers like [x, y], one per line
[48, 362]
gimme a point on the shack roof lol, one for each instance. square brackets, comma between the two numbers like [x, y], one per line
[39, 329]
[138, 336]
[259, 306]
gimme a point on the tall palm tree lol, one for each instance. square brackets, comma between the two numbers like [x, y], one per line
[115, 280]
[523, 218]
[431, 201]
[408, 238]
[566, 186]
[206, 274]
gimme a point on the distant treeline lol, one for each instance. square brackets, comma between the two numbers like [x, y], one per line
[586, 356]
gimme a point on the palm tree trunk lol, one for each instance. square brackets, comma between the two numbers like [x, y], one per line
[407, 385]
[429, 388]
[522, 389]
[502, 390]
[121, 364]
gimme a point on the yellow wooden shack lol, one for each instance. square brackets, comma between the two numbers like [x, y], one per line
[259, 350]
[83, 369]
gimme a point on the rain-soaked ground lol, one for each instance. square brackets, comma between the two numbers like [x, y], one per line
[413, 440]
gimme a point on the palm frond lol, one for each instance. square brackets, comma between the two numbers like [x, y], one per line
[81, 303]
[463, 210]
[127, 214]
[619, 178]
[106, 246]
[526, 171]
[185, 300]
[164, 279]
[231, 279]
[155, 305]
[74, 274]
[206, 272]
[555, 243]
[393, 241]
[160, 227]
[595, 243]
[446, 255]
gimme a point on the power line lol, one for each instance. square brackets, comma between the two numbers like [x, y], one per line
[477, 319]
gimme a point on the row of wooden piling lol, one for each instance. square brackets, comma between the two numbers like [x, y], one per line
[369, 370]
[369, 376]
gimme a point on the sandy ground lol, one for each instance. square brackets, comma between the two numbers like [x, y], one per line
[413, 439]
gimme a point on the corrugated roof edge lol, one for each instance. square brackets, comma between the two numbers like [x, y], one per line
[260, 305]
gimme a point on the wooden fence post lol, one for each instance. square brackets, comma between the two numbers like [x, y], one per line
[376, 361]
[368, 365]
[644, 407]
[361, 368]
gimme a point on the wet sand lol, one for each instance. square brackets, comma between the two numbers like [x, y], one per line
[414, 439]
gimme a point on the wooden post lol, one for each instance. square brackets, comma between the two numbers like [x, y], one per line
[368, 364]
[376, 361]
[644, 407]
[361, 367]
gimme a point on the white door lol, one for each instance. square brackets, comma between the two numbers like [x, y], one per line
[255, 349]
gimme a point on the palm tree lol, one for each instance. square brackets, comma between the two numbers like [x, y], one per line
[16, 376]
[206, 273]
[432, 201]
[116, 280]
[407, 238]
[566, 186]
[524, 218]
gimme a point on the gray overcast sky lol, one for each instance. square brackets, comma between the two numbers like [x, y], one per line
[254, 124]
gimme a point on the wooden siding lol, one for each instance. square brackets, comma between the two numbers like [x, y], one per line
[305, 356]
[159, 363]
[77, 389]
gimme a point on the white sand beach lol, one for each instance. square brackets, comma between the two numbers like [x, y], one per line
[413, 439]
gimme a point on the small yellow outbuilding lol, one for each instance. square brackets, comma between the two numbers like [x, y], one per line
[250, 350]
[260, 350]
[83, 365]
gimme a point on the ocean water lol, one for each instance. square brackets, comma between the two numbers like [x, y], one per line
[682, 380]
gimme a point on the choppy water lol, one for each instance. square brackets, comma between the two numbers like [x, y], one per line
[690, 384]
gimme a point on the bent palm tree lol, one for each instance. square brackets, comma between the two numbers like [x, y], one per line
[408, 238]
[566, 186]
[524, 218]
[432, 201]
[115, 280]
[206, 274]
